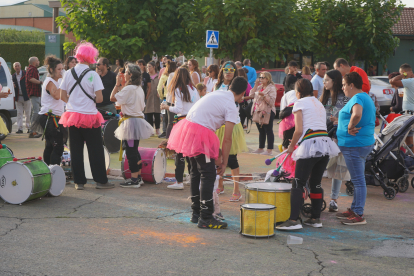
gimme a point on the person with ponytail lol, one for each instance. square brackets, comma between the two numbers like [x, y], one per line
[55, 134]
[132, 126]
[81, 89]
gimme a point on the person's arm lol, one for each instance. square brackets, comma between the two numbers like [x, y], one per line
[298, 131]
[315, 88]
[35, 81]
[53, 90]
[99, 96]
[64, 95]
[270, 97]
[396, 81]
[227, 140]
[355, 119]
[365, 81]
[194, 78]
[118, 87]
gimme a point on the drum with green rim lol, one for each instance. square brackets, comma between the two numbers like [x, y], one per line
[24, 180]
[6, 155]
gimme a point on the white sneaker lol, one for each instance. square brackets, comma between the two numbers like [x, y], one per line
[258, 151]
[268, 152]
[176, 186]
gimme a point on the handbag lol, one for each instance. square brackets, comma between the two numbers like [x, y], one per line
[248, 110]
[261, 117]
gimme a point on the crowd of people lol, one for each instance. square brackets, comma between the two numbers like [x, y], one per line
[204, 113]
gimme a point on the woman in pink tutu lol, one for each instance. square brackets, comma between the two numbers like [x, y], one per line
[195, 137]
[81, 89]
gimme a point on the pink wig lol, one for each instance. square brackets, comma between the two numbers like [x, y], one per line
[86, 52]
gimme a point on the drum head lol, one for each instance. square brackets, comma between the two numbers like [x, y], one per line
[258, 206]
[111, 143]
[58, 180]
[159, 166]
[269, 186]
[16, 183]
[86, 164]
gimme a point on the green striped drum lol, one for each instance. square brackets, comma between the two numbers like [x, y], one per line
[24, 180]
[6, 155]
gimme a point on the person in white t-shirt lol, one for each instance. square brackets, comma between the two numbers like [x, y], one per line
[195, 137]
[183, 96]
[83, 119]
[311, 156]
[51, 109]
[132, 126]
[317, 80]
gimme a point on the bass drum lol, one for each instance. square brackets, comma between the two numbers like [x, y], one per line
[6, 154]
[154, 165]
[58, 180]
[86, 164]
[111, 143]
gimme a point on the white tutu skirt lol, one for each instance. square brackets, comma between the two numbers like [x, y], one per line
[134, 129]
[316, 147]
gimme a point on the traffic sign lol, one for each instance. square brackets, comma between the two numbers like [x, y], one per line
[212, 39]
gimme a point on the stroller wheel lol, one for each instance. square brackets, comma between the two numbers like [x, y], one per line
[394, 185]
[389, 193]
[306, 210]
[349, 188]
[412, 183]
[403, 184]
[323, 206]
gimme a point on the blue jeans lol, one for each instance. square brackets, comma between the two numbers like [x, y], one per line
[336, 188]
[355, 161]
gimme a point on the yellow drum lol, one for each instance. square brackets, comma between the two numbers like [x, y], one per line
[273, 193]
[257, 220]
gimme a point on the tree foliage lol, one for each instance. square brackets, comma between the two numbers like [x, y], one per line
[12, 35]
[260, 30]
[126, 29]
[355, 29]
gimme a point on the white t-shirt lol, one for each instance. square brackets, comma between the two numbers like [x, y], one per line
[317, 83]
[408, 99]
[213, 110]
[287, 99]
[210, 85]
[181, 107]
[78, 101]
[313, 114]
[132, 100]
[48, 102]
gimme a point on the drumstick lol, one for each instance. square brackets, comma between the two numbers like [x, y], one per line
[229, 176]
[269, 161]
[276, 172]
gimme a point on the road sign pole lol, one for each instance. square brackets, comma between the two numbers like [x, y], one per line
[211, 56]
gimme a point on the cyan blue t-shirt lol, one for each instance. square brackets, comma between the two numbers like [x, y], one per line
[251, 75]
[365, 136]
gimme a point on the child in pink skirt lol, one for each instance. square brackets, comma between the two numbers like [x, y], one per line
[195, 137]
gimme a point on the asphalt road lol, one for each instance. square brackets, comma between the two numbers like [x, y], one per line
[147, 231]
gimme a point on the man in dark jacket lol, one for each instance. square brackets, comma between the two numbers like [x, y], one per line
[23, 103]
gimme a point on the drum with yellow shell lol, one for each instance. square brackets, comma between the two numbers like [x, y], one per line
[257, 220]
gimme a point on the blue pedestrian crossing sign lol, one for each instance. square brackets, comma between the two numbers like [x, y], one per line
[212, 39]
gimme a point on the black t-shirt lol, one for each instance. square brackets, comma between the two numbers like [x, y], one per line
[145, 80]
[109, 82]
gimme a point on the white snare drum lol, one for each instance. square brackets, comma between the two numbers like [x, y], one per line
[58, 180]
[86, 164]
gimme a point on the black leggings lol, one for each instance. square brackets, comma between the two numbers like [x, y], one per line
[180, 167]
[150, 119]
[266, 130]
[313, 167]
[52, 155]
[170, 122]
[133, 155]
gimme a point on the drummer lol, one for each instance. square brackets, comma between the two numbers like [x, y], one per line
[52, 108]
[83, 119]
[132, 126]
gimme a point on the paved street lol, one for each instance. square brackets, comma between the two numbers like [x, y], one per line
[147, 231]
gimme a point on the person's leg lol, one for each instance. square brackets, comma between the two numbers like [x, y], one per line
[135, 164]
[233, 164]
[170, 122]
[316, 191]
[157, 121]
[409, 141]
[20, 109]
[262, 139]
[93, 139]
[27, 107]
[150, 118]
[242, 117]
[179, 172]
[195, 187]
[269, 133]
[57, 149]
[76, 141]
[335, 190]
[48, 150]
[35, 107]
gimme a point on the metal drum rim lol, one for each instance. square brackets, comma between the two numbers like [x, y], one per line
[271, 207]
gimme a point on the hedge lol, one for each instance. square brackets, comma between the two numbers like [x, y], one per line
[22, 51]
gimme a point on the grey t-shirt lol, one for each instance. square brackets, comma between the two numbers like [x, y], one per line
[341, 101]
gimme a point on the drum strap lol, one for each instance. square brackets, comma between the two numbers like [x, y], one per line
[178, 118]
[78, 81]
[55, 119]
[124, 118]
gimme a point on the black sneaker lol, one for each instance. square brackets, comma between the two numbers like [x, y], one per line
[131, 184]
[333, 206]
[19, 131]
[194, 218]
[211, 224]
[313, 222]
[162, 135]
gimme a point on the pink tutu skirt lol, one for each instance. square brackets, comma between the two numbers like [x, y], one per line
[79, 120]
[286, 123]
[289, 166]
[192, 139]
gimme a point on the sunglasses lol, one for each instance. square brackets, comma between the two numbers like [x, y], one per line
[229, 70]
[262, 77]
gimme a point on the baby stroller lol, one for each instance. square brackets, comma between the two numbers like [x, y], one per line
[387, 161]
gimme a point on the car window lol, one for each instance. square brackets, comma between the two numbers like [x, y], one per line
[281, 77]
[378, 82]
[3, 78]
[385, 79]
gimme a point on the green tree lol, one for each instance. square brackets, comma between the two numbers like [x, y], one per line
[355, 29]
[260, 30]
[126, 29]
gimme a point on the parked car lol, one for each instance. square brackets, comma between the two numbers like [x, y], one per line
[383, 78]
[7, 111]
[384, 93]
[278, 75]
